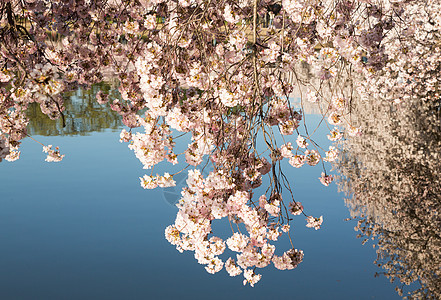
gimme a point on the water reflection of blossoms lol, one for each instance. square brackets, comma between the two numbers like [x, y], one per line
[393, 178]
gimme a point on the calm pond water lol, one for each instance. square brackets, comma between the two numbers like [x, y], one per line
[85, 229]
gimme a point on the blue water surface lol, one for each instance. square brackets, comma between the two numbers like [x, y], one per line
[85, 229]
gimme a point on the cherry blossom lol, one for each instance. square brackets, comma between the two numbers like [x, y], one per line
[52, 155]
[314, 222]
[212, 76]
[326, 179]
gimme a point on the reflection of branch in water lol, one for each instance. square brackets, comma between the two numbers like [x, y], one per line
[83, 115]
[393, 177]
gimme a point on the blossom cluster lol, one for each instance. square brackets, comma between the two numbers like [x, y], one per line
[216, 197]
